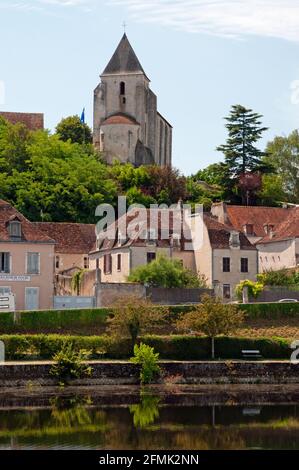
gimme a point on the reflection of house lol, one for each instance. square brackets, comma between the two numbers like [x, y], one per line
[26, 260]
[225, 256]
[280, 248]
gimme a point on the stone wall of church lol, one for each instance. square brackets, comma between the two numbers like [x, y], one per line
[119, 141]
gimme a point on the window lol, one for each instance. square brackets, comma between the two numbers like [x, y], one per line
[122, 88]
[130, 138]
[108, 264]
[15, 229]
[150, 257]
[249, 229]
[226, 291]
[226, 265]
[86, 262]
[57, 262]
[119, 262]
[124, 100]
[234, 239]
[5, 290]
[4, 262]
[33, 263]
[244, 265]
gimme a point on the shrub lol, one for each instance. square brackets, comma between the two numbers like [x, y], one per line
[69, 364]
[254, 288]
[145, 356]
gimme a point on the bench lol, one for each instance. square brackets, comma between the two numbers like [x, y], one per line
[251, 354]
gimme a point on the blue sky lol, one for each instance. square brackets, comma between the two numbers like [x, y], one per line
[202, 56]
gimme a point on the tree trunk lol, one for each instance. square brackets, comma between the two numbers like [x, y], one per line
[213, 348]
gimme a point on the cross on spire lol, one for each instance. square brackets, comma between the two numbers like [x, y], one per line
[124, 26]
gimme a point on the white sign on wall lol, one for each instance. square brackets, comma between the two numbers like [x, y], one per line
[10, 278]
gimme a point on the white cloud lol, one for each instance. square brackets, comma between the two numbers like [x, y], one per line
[229, 18]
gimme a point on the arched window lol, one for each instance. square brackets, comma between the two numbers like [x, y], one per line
[122, 88]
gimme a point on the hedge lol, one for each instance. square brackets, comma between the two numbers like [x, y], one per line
[70, 321]
[176, 347]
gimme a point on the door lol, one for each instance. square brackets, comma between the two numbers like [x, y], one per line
[31, 298]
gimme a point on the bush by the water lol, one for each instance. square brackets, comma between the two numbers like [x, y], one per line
[145, 356]
[69, 364]
[178, 347]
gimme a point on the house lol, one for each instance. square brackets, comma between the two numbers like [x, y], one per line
[26, 260]
[225, 256]
[33, 121]
[73, 243]
[280, 247]
[255, 221]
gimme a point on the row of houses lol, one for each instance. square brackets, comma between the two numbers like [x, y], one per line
[38, 259]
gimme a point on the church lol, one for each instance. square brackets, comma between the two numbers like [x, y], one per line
[127, 125]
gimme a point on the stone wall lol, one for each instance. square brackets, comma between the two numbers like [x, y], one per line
[126, 373]
[276, 294]
[108, 293]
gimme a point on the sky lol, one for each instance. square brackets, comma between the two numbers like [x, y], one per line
[202, 56]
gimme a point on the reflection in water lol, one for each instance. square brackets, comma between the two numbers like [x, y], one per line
[147, 411]
[77, 423]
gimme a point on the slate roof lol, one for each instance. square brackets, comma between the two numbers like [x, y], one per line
[219, 235]
[124, 60]
[30, 232]
[258, 216]
[70, 238]
[33, 121]
[288, 228]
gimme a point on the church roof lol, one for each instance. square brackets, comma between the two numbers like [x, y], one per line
[124, 60]
[120, 119]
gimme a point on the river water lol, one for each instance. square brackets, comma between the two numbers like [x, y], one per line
[149, 422]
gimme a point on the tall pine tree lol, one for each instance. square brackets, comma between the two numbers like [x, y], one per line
[241, 155]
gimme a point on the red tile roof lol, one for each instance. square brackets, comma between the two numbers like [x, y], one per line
[34, 121]
[120, 119]
[288, 228]
[30, 232]
[258, 216]
[70, 238]
[219, 235]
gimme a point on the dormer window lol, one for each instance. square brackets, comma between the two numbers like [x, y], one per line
[234, 240]
[15, 229]
[268, 228]
[248, 229]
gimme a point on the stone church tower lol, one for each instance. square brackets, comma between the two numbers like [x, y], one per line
[127, 125]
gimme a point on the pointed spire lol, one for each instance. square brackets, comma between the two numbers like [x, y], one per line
[124, 59]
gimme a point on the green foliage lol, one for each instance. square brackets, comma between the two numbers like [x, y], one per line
[71, 128]
[133, 316]
[77, 280]
[69, 364]
[176, 347]
[284, 157]
[145, 356]
[165, 272]
[254, 288]
[273, 310]
[272, 192]
[241, 155]
[281, 277]
[147, 411]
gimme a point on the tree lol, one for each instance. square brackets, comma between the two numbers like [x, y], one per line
[241, 155]
[71, 128]
[213, 318]
[284, 157]
[272, 192]
[166, 272]
[133, 316]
